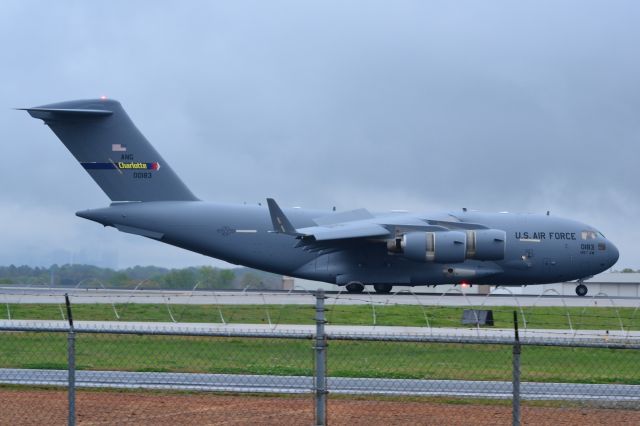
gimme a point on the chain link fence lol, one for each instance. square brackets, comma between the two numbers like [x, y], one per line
[150, 374]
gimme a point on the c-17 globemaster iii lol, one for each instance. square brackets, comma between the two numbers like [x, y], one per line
[350, 248]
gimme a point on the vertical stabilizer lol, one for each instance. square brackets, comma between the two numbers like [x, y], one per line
[102, 137]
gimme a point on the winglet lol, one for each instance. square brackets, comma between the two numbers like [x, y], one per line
[280, 222]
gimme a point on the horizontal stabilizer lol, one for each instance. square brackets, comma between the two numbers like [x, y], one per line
[62, 113]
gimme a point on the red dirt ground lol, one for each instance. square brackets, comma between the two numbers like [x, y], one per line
[38, 407]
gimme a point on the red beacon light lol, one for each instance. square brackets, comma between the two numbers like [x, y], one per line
[103, 98]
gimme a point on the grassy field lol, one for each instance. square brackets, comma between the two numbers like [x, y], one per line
[605, 318]
[345, 358]
[295, 357]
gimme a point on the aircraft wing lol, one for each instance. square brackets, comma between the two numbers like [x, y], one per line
[344, 230]
[358, 224]
[326, 231]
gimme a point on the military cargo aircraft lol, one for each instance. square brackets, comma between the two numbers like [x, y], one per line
[348, 248]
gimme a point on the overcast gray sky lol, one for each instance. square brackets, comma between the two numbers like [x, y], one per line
[494, 105]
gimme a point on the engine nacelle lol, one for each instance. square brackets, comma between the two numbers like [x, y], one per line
[451, 246]
[486, 244]
[439, 247]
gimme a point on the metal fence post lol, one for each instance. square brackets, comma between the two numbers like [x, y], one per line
[321, 361]
[71, 354]
[516, 372]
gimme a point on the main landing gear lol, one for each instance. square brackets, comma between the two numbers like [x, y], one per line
[355, 287]
[581, 289]
[383, 288]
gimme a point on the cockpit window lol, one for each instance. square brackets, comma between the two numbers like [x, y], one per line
[589, 235]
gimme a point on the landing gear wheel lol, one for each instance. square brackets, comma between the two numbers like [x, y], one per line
[383, 288]
[581, 290]
[355, 288]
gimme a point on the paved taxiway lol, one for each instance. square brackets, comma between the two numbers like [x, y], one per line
[48, 295]
[498, 335]
[336, 385]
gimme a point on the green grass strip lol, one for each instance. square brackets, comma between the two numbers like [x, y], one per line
[598, 318]
[295, 357]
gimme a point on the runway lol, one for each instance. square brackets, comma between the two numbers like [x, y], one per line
[452, 298]
[336, 385]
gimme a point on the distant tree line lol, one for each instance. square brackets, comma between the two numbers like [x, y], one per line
[144, 277]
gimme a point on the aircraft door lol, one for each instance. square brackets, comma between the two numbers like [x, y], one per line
[551, 268]
[322, 263]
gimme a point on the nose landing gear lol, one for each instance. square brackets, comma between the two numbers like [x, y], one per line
[581, 289]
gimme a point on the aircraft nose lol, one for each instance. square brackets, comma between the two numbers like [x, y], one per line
[612, 253]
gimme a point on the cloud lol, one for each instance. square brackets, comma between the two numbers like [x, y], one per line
[423, 105]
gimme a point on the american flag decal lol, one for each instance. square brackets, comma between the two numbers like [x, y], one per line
[118, 147]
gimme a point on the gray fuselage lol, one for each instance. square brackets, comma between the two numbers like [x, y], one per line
[538, 248]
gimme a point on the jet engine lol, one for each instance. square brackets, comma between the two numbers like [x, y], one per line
[486, 244]
[450, 246]
[439, 247]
